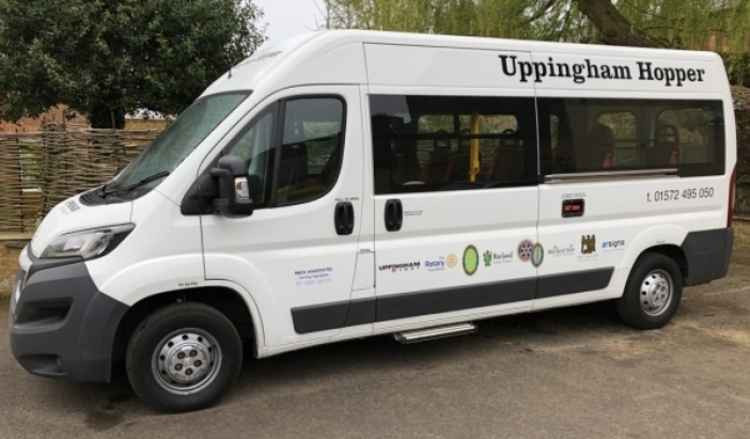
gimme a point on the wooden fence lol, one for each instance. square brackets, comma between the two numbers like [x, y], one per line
[38, 170]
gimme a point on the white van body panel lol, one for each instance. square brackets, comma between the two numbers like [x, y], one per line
[163, 253]
[260, 256]
[436, 65]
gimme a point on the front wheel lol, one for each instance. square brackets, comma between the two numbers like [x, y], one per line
[184, 357]
[653, 292]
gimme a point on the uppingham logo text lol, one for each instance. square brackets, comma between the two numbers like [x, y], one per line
[581, 72]
[405, 266]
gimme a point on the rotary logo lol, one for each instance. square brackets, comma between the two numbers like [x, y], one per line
[530, 251]
[525, 249]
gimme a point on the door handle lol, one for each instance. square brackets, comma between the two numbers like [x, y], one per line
[394, 215]
[343, 218]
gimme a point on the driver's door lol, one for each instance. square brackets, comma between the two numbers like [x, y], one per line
[292, 254]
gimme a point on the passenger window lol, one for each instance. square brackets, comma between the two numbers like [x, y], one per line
[688, 136]
[301, 163]
[437, 143]
[311, 149]
[596, 135]
[622, 127]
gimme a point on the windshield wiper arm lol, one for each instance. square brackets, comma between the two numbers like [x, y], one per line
[146, 180]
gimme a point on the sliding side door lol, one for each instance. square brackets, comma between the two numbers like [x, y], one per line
[455, 207]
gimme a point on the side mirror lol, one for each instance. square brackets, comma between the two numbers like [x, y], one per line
[234, 187]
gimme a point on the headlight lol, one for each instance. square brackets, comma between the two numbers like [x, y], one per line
[87, 244]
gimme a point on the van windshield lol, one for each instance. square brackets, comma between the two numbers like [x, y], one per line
[176, 142]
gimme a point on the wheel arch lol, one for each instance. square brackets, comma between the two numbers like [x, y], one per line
[223, 298]
[672, 251]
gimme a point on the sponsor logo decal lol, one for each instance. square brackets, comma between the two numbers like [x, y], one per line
[588, 244]
[471, 260]
[557, 252]
[537, 255]
[437, 264]
[530, 251]
[525, 249]
[451, 261]
[495, 258]
[404, 266]
[314, 276]
[613, 245]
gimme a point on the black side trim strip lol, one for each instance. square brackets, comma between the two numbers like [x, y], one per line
[398, 306]
[572, 283]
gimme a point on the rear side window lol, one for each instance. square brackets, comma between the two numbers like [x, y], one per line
[599, 135]
[441, 143]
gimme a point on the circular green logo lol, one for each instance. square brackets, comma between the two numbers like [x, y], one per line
[471, 260]
[537, 255]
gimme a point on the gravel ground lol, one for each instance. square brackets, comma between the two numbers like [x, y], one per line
[574, 372]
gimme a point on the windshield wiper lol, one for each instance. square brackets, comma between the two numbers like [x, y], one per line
[146, 180]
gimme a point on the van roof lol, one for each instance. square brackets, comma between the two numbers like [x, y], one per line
[337, 56]
[335, 37]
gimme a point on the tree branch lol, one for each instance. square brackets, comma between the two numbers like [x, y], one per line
[613, 27]
[540, 13]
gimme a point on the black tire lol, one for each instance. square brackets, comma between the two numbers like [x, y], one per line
[176, 319]
[632, 306]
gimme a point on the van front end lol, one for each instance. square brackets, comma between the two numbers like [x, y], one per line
[61, 325]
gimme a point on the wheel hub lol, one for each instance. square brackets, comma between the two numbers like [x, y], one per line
[186, 361]
[656, 292]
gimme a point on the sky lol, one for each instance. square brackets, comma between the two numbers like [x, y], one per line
[287, 18]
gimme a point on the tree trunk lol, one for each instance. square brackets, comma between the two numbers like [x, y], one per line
[613, 27]
[103, 117]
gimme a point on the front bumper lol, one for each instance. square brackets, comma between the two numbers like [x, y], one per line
[61, 325]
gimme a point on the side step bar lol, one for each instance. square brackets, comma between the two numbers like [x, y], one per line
[434, 333]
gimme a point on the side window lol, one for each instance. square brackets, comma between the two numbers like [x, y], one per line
[690, 137]
[623, 126]
[311, 149]
[599, 135]
[255, 145]
[439, 143]
[299, 160]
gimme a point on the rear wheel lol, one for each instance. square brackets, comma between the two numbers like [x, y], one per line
[184, 357]
[653, 292]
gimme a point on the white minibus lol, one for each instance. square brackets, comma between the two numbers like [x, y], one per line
[346, 184]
